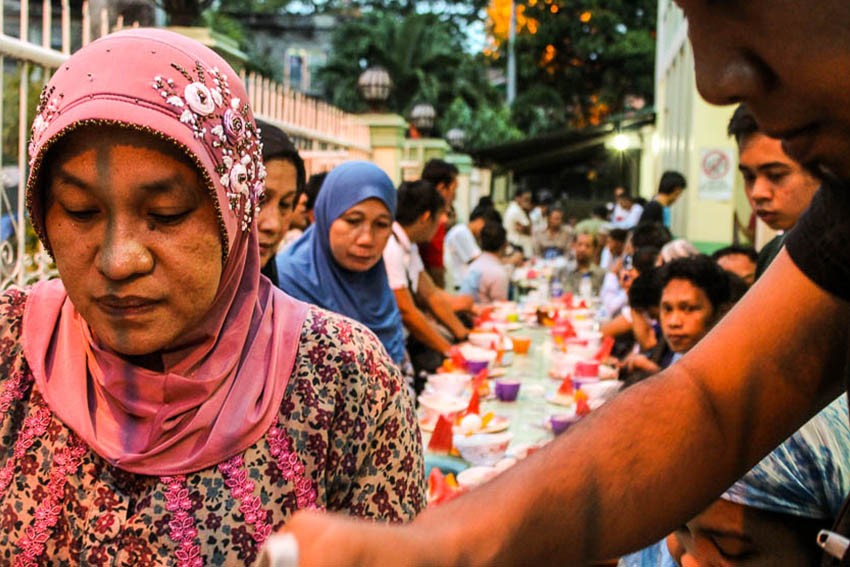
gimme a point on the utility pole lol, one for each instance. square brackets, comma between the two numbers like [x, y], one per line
[511, 94]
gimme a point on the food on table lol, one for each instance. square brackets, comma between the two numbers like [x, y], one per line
[581, 400]
[441, 439]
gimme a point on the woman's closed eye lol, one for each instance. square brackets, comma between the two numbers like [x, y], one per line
[170, 218]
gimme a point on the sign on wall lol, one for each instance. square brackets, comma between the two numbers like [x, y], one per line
[716, 174]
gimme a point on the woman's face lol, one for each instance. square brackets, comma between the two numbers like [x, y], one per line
[276, 206]
[135, 236]
[728, 534]
[358, 236]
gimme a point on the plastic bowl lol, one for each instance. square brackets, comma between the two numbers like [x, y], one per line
[507, 390]
[449, 383]
[562, 422]
[476, 366]
[484, 340]
[474, 476]
[483, 449]
[435, 405]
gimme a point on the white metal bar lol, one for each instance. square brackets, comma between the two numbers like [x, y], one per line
[66, 27]
[23, 138]
[20, 49]
[25, 20]
[46, 17]
[86, 22]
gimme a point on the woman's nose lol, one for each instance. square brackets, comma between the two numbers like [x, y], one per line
[123, 254]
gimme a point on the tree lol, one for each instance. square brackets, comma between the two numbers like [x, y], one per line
[578, 59]
[423, 54]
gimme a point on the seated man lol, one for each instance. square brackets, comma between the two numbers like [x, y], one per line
[584, 248]
[419, 208]
[695, 294]
[461, 245]
[738, 260]
[553, 239]
[488, 278]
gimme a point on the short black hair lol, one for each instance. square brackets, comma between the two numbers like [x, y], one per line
[314, 184]
[277, 145]
[645, 291]
[486, 212]
[734, 249]
[600, 211]
[742, 125]
[650, 234]
[702, 272]
[670, 181]
[644, 258]
[416, 198]
[522, 191]
[438, 171]
[618, 234]
[493, 236]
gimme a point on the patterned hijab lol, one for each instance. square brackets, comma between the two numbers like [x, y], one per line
[808, 475]
[223, 384]
[308, 271]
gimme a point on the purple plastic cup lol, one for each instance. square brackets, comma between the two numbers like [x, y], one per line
[476, 366]
[507, 390]
[560, 423]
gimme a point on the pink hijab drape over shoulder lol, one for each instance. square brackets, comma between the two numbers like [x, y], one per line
[223, 385]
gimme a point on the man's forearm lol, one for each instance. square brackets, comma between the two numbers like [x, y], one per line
[444, 312]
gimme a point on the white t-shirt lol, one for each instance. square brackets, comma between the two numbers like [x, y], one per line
[459, 249]
[621, 218]
[515, 215]
[402, 260]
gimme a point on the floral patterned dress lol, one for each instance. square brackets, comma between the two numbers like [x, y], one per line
[345, 439]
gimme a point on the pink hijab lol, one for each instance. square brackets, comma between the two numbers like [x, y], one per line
[222, 387]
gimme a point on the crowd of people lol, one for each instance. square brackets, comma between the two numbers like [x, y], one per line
[230, 343]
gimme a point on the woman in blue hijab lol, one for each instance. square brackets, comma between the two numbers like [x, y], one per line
[338, 262]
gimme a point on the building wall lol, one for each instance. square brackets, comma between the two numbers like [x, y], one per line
[687, 125]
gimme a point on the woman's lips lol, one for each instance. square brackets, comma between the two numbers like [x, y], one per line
[123, 306]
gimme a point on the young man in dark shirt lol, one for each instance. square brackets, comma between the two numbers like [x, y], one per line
[778, 188]
[657, 454]
[670, 188]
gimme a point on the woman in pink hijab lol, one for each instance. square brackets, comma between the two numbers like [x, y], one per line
[161, 402]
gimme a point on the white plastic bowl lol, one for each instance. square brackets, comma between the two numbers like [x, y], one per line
[450, 383]
[483, 449]
[435, 405]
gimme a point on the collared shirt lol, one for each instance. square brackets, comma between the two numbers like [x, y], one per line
[402, 260]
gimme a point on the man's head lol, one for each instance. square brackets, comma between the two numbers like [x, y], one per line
[584, 247]
[418, 209]
[523, 198]
[479, 216]
[778, 188]
[738, 260]
[555, 219]
[600, 212]
[617, 241]
[788, 61]
[626, 200]
[694, 295]
[671, 186]
[442, 175]
[493, 237]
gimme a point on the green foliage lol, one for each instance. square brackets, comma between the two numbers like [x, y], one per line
[585, 56]
[423, 54]
[488, 125]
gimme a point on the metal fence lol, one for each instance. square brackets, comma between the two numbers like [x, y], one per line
[36, 37]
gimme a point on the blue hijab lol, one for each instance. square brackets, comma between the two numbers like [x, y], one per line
[307, 270]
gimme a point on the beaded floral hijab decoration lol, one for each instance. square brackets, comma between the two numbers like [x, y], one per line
[223, 384]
